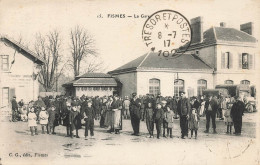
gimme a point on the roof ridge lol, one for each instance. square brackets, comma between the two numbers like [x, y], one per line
[215, 35]
[144, 59]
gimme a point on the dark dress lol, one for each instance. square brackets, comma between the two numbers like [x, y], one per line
[75, 120]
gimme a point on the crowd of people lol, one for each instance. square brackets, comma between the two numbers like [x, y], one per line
[75, 113]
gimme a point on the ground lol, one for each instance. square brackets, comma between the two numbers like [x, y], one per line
[19, 147]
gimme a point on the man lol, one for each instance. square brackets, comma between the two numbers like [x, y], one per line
[211, 107]
[183, 108]
[142, 106]
[14, 109]
[165, 124]
[135, 113]
[237, 111]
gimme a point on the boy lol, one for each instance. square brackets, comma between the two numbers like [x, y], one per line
[158, 118]
[89, 115]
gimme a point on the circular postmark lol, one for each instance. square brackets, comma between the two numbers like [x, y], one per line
[167, 32]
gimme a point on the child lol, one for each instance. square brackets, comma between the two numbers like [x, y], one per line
[74, 119]
[89, 115]
[66, 120]
[44, 115]
[158, 118]
[168, 115]
[24, 114]
[32, 121]
[194, 122]
[149, 111]
[228, 120]
[52, 120]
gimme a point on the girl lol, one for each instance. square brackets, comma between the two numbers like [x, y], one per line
[32, 121]
[194, 122]
[228, 120]
[44, 115]
[168, 115]
[150, 119]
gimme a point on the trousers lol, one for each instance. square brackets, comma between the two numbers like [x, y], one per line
[184, 125]
[211, 115]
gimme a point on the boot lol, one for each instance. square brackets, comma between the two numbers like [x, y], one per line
[196, 134]
[36, 132]
[43, 130]
[214, 131]
[31, 131]
[206, 131]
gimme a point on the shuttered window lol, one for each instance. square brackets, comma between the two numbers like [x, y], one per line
[229, 82]
[226, 60]
[245, 61]
[4, 62]
[247, 82]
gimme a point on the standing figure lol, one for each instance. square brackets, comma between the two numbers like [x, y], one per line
[165, 124]
[183, 109]
[89, 116]
[237, 112]
[228, 120]
[44, 116]
[103, 112]
[149, 111]
[158, 118]
[135, 113]
[66, 119]
[126, 105]
[194, 122]
[32, 121]
[211, 107]
[74, 119]
[116, 107]
[52, 120]
[168, 117]
[202, 106]
[14, 109]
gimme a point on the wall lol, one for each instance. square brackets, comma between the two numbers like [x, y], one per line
[129, 83]
[80, 92]
[167, 81]
[19, 77]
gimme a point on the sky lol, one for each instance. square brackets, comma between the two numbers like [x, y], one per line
[118, 40]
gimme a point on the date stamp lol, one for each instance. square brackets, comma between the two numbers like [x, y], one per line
[167, 32]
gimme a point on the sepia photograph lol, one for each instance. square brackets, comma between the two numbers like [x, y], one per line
[129, 82]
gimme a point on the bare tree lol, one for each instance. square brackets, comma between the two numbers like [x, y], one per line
[48, 47]
[81, 46]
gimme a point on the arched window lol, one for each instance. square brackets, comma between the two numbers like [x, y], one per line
[229, 82]
[245, 82]
[201, 85]
[178, 87]
[154, 86]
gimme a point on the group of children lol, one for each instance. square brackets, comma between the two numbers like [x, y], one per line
[163, 116]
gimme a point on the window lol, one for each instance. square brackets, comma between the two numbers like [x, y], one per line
[226, 61]
[245, 82]
[245, 61]
[5, 98]
[178, 87]
[202, 85]
[154, 86]
[5, 62]
[229, 82]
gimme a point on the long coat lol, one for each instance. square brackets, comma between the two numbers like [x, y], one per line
[183, 107]
[135, 108]
[75, 120]
[213, 103]
[194, 121]
[237, 111]
[32, 119]
[65, 116]
[168, 117]
[53, 118]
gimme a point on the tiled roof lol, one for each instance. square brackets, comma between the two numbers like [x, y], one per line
[153, 61]
[231, 34]
[94, 75]
[92, 82]
[23, 50]
[216, 35]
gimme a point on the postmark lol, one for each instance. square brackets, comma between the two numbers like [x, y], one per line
[167, 32]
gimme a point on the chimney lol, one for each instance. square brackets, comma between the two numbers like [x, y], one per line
[197, 29]
[248, 28]
[223, 24]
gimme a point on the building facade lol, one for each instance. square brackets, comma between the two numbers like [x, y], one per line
[92, 84]
[19, 70]
[217, 56]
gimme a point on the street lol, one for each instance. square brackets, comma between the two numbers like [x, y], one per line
[18, 146]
